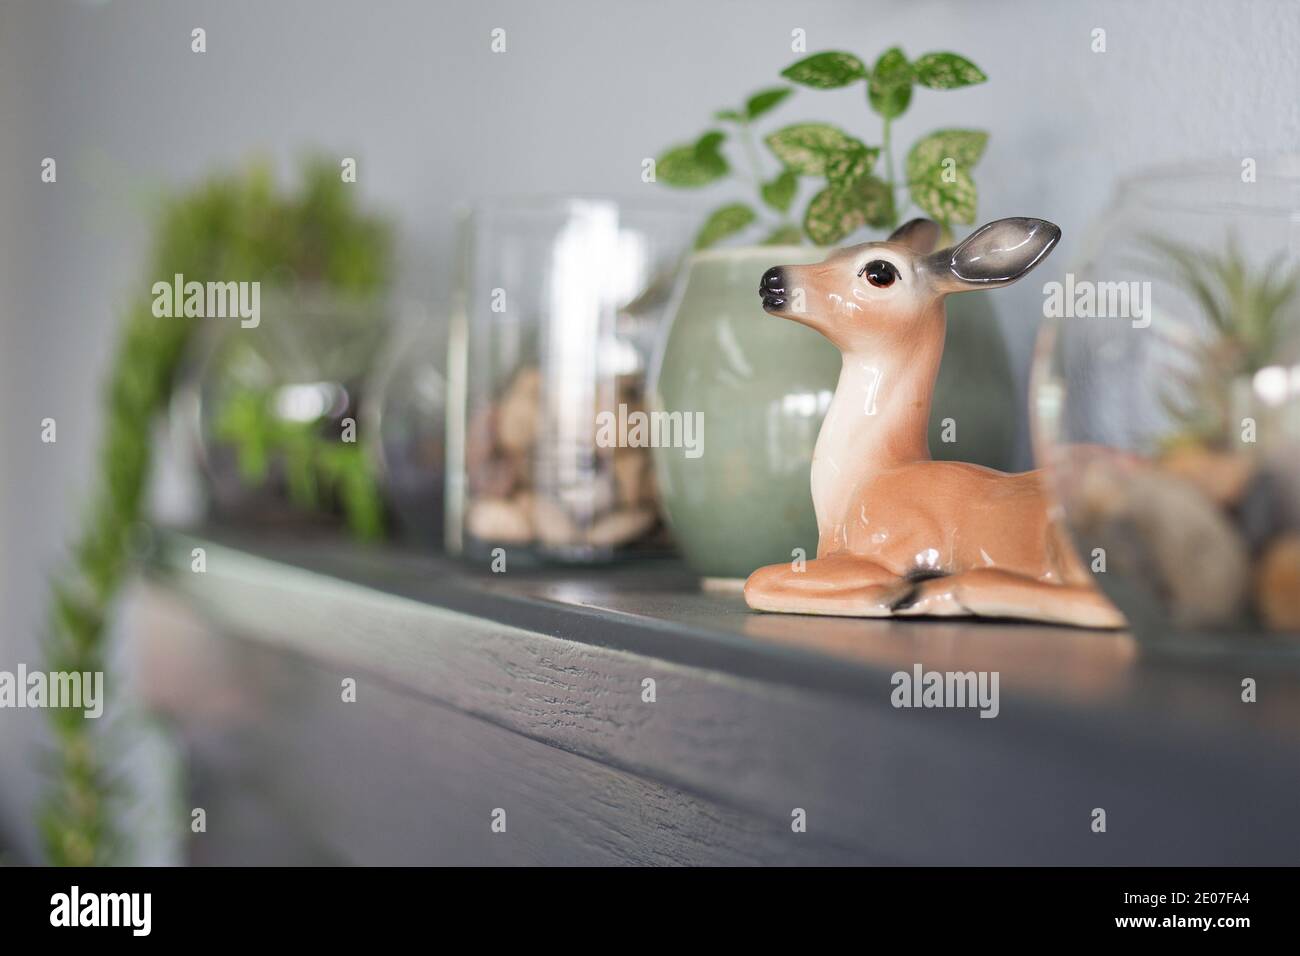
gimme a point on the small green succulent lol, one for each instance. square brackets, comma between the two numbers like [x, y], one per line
[317, 466]
[1250, 316]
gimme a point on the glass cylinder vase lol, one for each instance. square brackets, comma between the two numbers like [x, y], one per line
[558, 307]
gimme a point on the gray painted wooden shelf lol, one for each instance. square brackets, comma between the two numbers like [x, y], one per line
[523, 691]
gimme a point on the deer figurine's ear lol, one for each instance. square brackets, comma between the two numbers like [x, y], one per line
[994, 255]
[919, 235]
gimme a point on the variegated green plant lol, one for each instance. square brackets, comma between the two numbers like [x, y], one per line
[852, 193]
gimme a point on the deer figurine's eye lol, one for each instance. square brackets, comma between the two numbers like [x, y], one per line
[880, 273]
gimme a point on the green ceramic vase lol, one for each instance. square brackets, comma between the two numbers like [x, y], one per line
[763, 386]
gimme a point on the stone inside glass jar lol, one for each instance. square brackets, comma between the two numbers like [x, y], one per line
[570, 500]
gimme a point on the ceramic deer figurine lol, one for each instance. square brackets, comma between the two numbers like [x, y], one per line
[899, 533]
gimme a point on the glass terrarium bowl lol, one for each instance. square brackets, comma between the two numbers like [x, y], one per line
[272, 412]
[404, 418]
[1166, 400]
[558, 307]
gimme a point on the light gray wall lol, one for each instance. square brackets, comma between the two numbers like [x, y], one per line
[586, 90]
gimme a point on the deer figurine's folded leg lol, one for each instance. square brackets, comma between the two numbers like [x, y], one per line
[988, 592]
[839, 584]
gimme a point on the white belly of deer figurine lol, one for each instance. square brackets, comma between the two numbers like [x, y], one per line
[899, 533]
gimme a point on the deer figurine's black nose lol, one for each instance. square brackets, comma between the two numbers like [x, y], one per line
[772, 283]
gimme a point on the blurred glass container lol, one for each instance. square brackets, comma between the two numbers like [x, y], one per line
[1166, 399]
[405, 425]
[272, 411]
[558, 307]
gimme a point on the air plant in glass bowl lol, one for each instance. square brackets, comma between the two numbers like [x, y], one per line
[1167, 405]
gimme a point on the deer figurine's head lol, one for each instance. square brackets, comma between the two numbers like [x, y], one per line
[881, 294]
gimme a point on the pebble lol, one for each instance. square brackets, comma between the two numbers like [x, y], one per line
[1261, 513]
[1220, 476]
[479, 438]
[1277, 584]
[620, 527]
[494, 478]
[1200, 561]
[632, 473]
[495, 520]
[519, 413]
[553, 523]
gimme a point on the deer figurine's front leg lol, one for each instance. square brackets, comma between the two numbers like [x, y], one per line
[900, 533]
[840, 584]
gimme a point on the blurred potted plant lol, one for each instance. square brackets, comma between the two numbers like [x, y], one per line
[237, 226]
[746, 501]
[273, 409]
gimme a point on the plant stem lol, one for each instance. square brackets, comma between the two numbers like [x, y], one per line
[888, 149]
[751, 154]
[756, 166]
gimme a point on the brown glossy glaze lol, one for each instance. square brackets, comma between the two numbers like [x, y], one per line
[900, 534]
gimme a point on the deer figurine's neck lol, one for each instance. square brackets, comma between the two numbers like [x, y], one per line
[879, 418]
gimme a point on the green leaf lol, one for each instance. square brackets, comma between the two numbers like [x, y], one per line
[949, 198]
[786, 235]
[765, 100]
[851, 164]
[832, 215]
[779, 193]
[963, 146]
[947, 71]
[807, 147]
[709, 142]
[938, 173]
[842, 208]
[827, 71]
[729, 116]
[697, 164]
[890, 88]
[724, 222]
[876, 200]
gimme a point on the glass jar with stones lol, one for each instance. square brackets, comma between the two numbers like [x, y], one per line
[557, 312]
[1167, 401]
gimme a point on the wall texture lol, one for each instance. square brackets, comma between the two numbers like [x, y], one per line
[586, 90]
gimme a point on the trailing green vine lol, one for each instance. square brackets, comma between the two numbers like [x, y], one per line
[236, 226]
